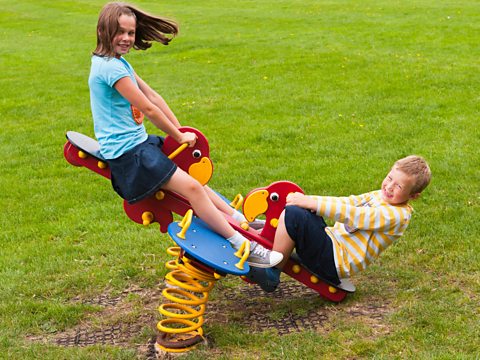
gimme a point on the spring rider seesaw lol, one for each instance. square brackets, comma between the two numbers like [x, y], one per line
[201, 257]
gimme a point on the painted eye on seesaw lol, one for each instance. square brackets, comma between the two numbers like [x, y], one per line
[274, 197]
[196, 153]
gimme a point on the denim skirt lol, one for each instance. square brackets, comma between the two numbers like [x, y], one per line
[141, 171]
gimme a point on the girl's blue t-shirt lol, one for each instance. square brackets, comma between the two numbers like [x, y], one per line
[115, 126]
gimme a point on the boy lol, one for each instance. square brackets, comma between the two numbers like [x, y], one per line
[365, 225]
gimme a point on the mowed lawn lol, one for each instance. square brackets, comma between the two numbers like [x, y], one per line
[327, 94]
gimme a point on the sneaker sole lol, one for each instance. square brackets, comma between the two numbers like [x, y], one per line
[264, 266]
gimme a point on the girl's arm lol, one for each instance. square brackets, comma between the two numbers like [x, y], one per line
[157, 100]
[127, 88]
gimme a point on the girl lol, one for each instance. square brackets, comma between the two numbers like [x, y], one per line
[119, 99]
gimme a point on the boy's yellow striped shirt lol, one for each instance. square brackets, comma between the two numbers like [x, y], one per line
[365, 225]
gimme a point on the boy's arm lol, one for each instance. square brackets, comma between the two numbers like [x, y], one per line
[354, 200]
[386, 218]
[310, 202]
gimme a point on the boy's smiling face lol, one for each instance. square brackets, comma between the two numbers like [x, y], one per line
[397, 187]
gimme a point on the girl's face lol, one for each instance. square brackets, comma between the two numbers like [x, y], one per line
[397, 187]
[125, 37]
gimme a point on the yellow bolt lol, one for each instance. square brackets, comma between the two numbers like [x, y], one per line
[82, 155]
[332, 289]
[244, 225]
[314, 279]
[296, 269]
[274, 223]
[147, 218]
[160, 195]
[102, 165]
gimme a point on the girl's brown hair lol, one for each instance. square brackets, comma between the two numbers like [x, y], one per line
[148, 28]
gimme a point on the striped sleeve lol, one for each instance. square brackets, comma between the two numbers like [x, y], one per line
[383, 218]
[354, 200]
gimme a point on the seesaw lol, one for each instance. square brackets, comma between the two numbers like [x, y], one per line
[201, 256]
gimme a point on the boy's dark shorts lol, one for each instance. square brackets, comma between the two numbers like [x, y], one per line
[313, 245]
[141, 171]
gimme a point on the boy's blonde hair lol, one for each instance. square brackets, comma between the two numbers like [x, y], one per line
[417, 167]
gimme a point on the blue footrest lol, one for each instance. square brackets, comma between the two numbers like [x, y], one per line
[207, 247]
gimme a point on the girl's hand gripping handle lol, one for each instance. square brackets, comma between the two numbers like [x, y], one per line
[189, 138]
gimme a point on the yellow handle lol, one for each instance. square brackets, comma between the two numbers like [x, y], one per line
[245, 249]
[178, 151]
[185, 223]
[237, 202]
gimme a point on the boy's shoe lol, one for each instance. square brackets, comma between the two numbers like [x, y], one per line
[267, 279]
[262, 257]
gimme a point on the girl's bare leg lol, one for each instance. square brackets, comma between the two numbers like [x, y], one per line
[218, 201]
[227, 209]
[191, 189]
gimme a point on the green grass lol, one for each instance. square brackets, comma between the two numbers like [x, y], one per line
[323, 93]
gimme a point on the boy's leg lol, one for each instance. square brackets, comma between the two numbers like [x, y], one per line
[268, 279]
[312, 244]
[283, 243]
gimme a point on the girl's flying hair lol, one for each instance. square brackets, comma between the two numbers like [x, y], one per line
[148, 28]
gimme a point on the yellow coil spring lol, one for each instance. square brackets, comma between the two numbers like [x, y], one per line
[187, 290]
